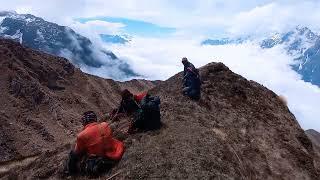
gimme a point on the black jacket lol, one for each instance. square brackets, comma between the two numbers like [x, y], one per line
[191, 77]
[189, 66]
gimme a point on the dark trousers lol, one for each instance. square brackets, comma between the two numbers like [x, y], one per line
[191, 92]
[88, 165]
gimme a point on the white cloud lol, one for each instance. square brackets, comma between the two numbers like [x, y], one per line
[92, 29]
[276, 17]
[24, 9]
[58, 11]
[193, 18]
[98, 27]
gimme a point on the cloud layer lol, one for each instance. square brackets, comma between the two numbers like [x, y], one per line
[276, 17]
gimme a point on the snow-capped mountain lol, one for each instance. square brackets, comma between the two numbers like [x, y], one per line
[308, 64]
[52, 38]
[301, 43]
[296, 41]
[304, 46]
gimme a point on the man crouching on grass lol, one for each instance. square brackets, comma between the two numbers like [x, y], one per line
[96, 151]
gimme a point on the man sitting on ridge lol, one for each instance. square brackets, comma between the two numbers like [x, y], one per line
[96, 150]
[191, 80]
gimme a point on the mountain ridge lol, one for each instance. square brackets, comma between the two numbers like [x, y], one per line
[239, 129]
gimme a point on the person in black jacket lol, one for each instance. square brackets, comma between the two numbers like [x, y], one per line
[191, 80]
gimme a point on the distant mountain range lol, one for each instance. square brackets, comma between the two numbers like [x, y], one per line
[301, 43]
[223, 41]
[52, 38]
[115, 39]
[296, 41]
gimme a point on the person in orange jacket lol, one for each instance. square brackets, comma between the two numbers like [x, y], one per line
[96, 144]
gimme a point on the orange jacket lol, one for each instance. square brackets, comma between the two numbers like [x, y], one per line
[96, 139]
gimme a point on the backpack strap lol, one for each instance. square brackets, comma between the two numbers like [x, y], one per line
[137, 103]
[190, 69]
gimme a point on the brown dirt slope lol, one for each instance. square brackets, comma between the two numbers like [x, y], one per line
[238, 130]
[42, 98]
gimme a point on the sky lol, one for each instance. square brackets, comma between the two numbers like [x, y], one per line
[132, 27]
[163, 31]
[189, 17]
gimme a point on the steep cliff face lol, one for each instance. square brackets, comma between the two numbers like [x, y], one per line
[238, 130]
